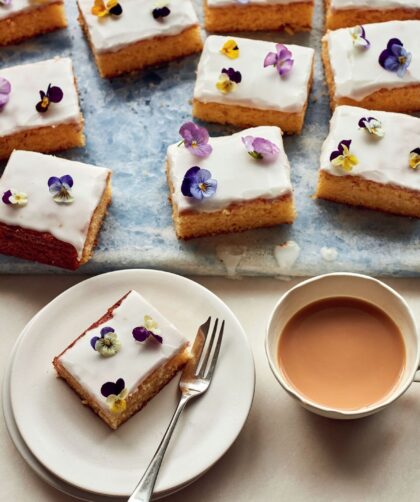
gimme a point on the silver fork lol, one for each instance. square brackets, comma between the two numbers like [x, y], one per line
[195, 380]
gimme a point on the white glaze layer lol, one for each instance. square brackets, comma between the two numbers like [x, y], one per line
[240, 178]
[29, 172]
[385, 160]
[357, 72]
[136, 23]
[225, 3]
[135, 360]
[19, 6]
[27, 80]
[375, 4]
[260, 87]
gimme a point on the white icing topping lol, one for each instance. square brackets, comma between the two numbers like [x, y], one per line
[136, 23]
[375, 4]
[385, 160]
[239, 177]
[27, 80]
[135, 361]
[286, 255]
[357, 72]
[223, 3]
[29, 172]
[20, 6]
[329, 254]
[260, 87]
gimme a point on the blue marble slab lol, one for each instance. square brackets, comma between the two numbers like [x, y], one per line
[129, 123]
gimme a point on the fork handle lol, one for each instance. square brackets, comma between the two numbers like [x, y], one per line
[144, 490]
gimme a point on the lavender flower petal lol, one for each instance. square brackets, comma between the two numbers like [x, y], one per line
[93, 341]
[270, 59]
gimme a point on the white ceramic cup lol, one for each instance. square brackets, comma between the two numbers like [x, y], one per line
[355, 286]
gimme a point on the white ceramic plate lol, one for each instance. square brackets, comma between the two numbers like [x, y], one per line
[74, 444]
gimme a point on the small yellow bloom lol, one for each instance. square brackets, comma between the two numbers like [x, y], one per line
[346, 161]
[230, 49]
[117, 403]
[100, 9]
[224, 84]
[415, 159]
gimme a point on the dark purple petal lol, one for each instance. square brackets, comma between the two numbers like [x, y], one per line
[108, 388]
[55, 94]
[141, 333]
[234, 76]
[93, 341]
[362, 121]
[53, 180]
[40, 108]
[392, 42]
[106, 330]
[6, 197]
[383, 57]
[334, 155]
[119, 386]
[116, 10]
[160, 12]
[158, 338]
[344, 142]
[416, 150]
[67, 180]
[363, 33]
[189, 178]
[270, 59]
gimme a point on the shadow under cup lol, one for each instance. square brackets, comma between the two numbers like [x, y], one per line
[344, 285]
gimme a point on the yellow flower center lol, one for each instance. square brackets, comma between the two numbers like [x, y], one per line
[402, 59]
[202, 187]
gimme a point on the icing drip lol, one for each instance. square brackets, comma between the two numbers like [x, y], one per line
[286, 255]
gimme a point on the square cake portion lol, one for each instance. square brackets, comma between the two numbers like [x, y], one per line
[247, 83]
[52, 209]
[124, 359]
[372, 159]
[22, 19]
[343, 13]
[243, 182]
[227, 16]
[375, 66]
[135, 34]
[39, 108]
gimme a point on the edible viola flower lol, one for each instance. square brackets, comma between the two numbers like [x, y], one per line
[108, 343]
[149, 329]
[195, 139]
[115, 394]
[281, 60]
[61, 189]
[5, 90]
[261, 148]
[14, 198]
[358, 34]
[342, 157]
[228, 80]
[372, 126]
[53, 95]
[102, 9]
[198, 183]
[230, 49]
[161, 10]
[395, 58]
[415, 158]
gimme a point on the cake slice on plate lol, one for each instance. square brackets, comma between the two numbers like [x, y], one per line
[247, 82]
[230, 183]
[39, 108]
[134, 34]
[124, 359]
[227, 16]
[51, 209]
[372, 159]
[374, 66]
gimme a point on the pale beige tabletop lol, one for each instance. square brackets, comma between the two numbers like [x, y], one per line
[284, 453]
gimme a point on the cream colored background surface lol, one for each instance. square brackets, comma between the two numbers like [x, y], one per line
[283, 453]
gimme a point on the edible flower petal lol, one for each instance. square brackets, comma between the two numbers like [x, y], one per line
[61, 189]
[395, 57]
[372, 126]
[261, 148]
[107, 344]
[198, 183]
[342, 157]
[358, 34]
[54, 94]
[281, 60]
[5, 90]
[228, 80]
[415, 158]
[15, 198]
[230, 49]
[116, 394]
[195, 139]
[149, 329]
[161, 10]
[102, 9]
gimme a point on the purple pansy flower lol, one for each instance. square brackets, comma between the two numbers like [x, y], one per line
[160, 12]
[358, 34]
[14, 198]
[54, 94]
[228, 80]
[115, 388]
[107, 344]
[196, 139]
[149, 329]
[281, 60]
[5, 90]
[234, 75]
[198, 183]
[395, 58]
[373, 126]
[61, 189]
[115, 393]
[342, 157]
[261, 148]
[415, 158]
